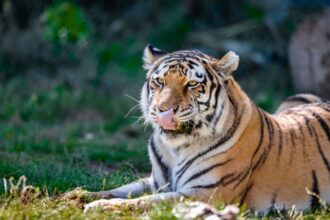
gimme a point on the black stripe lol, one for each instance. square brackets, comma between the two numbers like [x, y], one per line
[209, 74]
[216, 94]
[270, 128]
[196, 175]
[261, 120]
[215, 146]
[213, 130]
[314, 204]
[215, 105]
[185, 114]
[261, 159]
[325, 106]
[148, 90]
[325, 160]
[218, 116]
[323, 124]
[191, 62]
[298, 99]
[308, 125]
[301, 131]
[241, 177]
[156, 183]
[248, 172]
[207, 103]
[202, 87]
[212, 185]
[164, 168]
[280, 144]
[244, 195]
[207, 68]
[198, 125]
[265, 154]
[293, 144]
[292, 137]
[192, 67]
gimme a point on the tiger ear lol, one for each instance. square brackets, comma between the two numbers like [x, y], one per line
[227, 64]
[151, 55]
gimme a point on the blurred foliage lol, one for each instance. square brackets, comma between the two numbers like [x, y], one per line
[65, 23]
[175, 32]
[253, 12]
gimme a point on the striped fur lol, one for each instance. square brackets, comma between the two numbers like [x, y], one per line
[299, 99]
[233, 150]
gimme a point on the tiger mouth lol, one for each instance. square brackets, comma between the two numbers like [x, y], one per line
[181, 128]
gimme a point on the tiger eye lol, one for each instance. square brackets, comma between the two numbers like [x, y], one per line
[192, 83]
[160, 81]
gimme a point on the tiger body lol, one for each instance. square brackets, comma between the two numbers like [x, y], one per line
[212, 142]
[269, 164]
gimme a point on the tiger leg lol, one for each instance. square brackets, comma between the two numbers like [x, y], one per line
[132, 189]
[140, 203]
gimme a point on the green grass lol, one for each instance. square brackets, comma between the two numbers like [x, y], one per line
[60, 141]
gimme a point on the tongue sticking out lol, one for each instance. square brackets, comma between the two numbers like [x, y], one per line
[165, 120]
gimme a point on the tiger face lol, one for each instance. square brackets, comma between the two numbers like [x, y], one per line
[181, 94]
[175, 93]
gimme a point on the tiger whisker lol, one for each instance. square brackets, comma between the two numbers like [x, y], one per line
[185, 119]
[139, 118]
[134, 99]
[132, 109]
[144, 124]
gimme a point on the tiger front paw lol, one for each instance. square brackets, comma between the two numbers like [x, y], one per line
[107, 204]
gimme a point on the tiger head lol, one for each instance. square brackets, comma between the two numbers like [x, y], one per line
[184, 92]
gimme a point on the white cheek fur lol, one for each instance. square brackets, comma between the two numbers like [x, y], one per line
[144, 103]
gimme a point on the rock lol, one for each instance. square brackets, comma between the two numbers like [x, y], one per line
[309, 55]
[201, 210]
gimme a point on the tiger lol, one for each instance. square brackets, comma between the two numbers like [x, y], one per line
[210, 142]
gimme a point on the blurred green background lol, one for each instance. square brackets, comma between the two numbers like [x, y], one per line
[71, 73]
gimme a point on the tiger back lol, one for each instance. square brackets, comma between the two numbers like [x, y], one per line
[299, 99]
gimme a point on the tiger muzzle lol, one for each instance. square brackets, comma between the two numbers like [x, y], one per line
[166, 120]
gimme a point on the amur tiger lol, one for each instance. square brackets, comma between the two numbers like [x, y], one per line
[211, 142]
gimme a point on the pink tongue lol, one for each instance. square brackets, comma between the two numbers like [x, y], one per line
[165, 120]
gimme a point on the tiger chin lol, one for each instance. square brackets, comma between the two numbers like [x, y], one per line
[211, 142]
